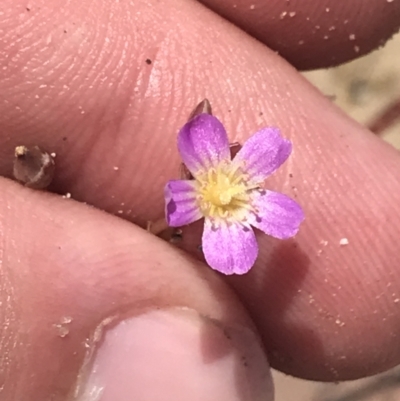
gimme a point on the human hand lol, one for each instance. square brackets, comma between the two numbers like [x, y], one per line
[106, 85]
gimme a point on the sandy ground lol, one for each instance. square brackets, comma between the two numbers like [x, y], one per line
[364, 89]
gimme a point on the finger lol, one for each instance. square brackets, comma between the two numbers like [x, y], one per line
[314, 34]
[84, 293]
[330, 172]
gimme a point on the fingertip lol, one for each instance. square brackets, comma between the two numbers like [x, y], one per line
[312, 34]
[71, 270]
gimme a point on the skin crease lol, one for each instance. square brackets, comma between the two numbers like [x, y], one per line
[80, 86]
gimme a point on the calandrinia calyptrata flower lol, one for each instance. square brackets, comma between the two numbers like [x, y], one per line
[229, 194]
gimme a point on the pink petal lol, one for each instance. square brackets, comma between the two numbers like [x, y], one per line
[203, 143]
[263, 153]
[180, 203]
[278, 215]
[229, 249]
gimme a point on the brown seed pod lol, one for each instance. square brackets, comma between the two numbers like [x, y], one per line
[33, 167]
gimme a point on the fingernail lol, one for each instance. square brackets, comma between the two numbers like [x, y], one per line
[178, 355]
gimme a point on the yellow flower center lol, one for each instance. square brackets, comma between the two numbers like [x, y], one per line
[224, 192]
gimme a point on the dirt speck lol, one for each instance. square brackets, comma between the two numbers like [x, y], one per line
[148, 61]
[62, 326]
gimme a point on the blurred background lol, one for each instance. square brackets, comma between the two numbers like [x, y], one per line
[367, 89]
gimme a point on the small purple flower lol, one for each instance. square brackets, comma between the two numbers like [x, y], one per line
[229, 194]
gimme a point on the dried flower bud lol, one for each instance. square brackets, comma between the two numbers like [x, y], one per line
[33, 167]
[185, 174]
[203, 107]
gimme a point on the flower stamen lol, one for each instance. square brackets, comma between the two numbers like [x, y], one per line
[225, 193]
